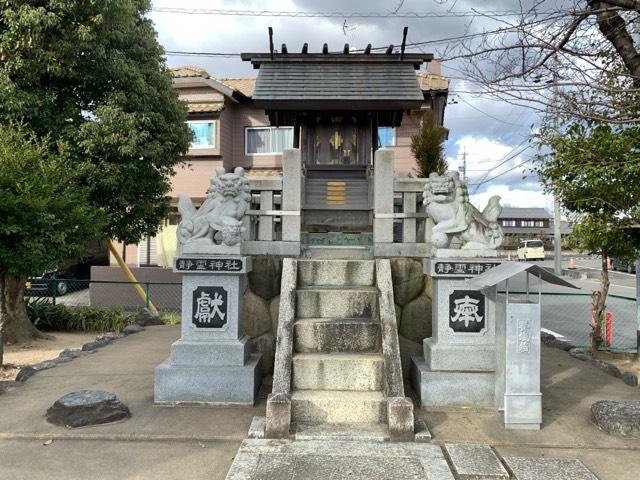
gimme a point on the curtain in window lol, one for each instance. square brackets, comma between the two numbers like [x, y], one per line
[258, 140]
[282, 139]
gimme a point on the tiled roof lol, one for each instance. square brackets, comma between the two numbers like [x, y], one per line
[188, 71]
[205, 107]
[429, 81]
[524, 213]
[244, 85]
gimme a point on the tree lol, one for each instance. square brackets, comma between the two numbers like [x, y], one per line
[45, 217]
[594, 170]
[91, 74]
[427, 148]
[570, 41]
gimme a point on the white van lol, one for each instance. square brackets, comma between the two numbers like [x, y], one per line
[531, 250]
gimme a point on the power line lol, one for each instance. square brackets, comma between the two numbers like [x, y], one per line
[303, 14]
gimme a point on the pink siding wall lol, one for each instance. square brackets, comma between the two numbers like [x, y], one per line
[405, 163]
[192, 179]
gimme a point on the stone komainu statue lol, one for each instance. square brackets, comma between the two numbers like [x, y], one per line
[456, 221]
[219, 218]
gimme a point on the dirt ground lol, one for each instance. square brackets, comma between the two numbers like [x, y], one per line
[626, 362]
[36, 351]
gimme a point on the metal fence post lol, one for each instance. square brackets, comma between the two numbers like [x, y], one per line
[147, 289]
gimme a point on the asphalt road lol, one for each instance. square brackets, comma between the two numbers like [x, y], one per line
[567, 312]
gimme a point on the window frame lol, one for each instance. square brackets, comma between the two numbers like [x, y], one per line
[393, 136]
[214, 122]
[246, 142]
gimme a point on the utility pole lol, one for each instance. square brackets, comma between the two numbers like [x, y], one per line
[463, 168]
[557, 234]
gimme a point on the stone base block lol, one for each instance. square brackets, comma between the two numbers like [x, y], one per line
[213, 385]
[193, 353]
[400, 417]
[522, 412]
[459, 357]
[452, 388]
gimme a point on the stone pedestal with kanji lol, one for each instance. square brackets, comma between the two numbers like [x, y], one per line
[211, 363]
[458, 366]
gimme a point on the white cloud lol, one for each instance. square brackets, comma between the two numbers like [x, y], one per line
[513, 197]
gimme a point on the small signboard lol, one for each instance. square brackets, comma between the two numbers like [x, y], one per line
[209, 308]
[466, 269]
[218, 264]
[467, 312]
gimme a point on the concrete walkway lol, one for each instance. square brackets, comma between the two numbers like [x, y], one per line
[200, 443]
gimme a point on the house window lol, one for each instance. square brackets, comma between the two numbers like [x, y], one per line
[386, 137]
[508, 223]
[528, 223]
[204, 133]
[539, 223]
[267, 140]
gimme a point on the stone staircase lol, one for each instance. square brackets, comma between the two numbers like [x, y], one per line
[341, 374]
[338, 368]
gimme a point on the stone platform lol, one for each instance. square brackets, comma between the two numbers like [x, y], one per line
[260, 459]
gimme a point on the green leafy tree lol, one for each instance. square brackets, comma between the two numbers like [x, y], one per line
[595, 173]
[92, 75]
[427, 148]
[45, 216]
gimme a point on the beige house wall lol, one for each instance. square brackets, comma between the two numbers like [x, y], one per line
[249, 116]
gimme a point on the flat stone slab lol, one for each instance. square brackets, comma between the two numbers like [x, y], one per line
[475, 462]
[87, 407]
[337, 459]
[618, 417]
[548, 469]
[421, 431]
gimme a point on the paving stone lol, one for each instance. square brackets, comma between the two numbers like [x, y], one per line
[548, 469]
[337, 459]
[256, 429]
[475, 462]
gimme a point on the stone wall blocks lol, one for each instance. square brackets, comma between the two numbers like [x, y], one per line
[408, 279]
[264, 279]
[416, 319]
[256, 319]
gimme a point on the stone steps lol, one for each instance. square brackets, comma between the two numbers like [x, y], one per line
[336, 335]
[361, 432]
[336, 252]
[338, 371]
[338, 406]
[318, 302]
[336, 273]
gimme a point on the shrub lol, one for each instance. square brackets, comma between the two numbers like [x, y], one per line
[47, 316]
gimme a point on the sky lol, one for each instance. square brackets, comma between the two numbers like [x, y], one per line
[492, 135]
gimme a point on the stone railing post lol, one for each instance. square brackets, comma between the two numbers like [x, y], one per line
[383, 196]
[291, 194]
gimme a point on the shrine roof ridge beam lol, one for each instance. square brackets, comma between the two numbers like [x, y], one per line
[415, 59]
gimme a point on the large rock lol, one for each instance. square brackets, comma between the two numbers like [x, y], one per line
[146, 318]
[87, 407]
[408, 349]
[618, 417]
[266, 345]
[256, 318]
[264, 279]
[416, 319]
[408, 279]
[274, 312]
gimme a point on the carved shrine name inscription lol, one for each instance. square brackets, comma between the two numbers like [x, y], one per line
[467, 311]
[209, 309]
[461, 268]
[209, 265]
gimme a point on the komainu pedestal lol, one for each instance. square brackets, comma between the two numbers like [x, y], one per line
[211, 363]
[458, 367]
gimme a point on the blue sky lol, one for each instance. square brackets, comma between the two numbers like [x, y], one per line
[493, 134]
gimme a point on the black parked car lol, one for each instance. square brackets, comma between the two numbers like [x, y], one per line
[618, 264]
[71, 276]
